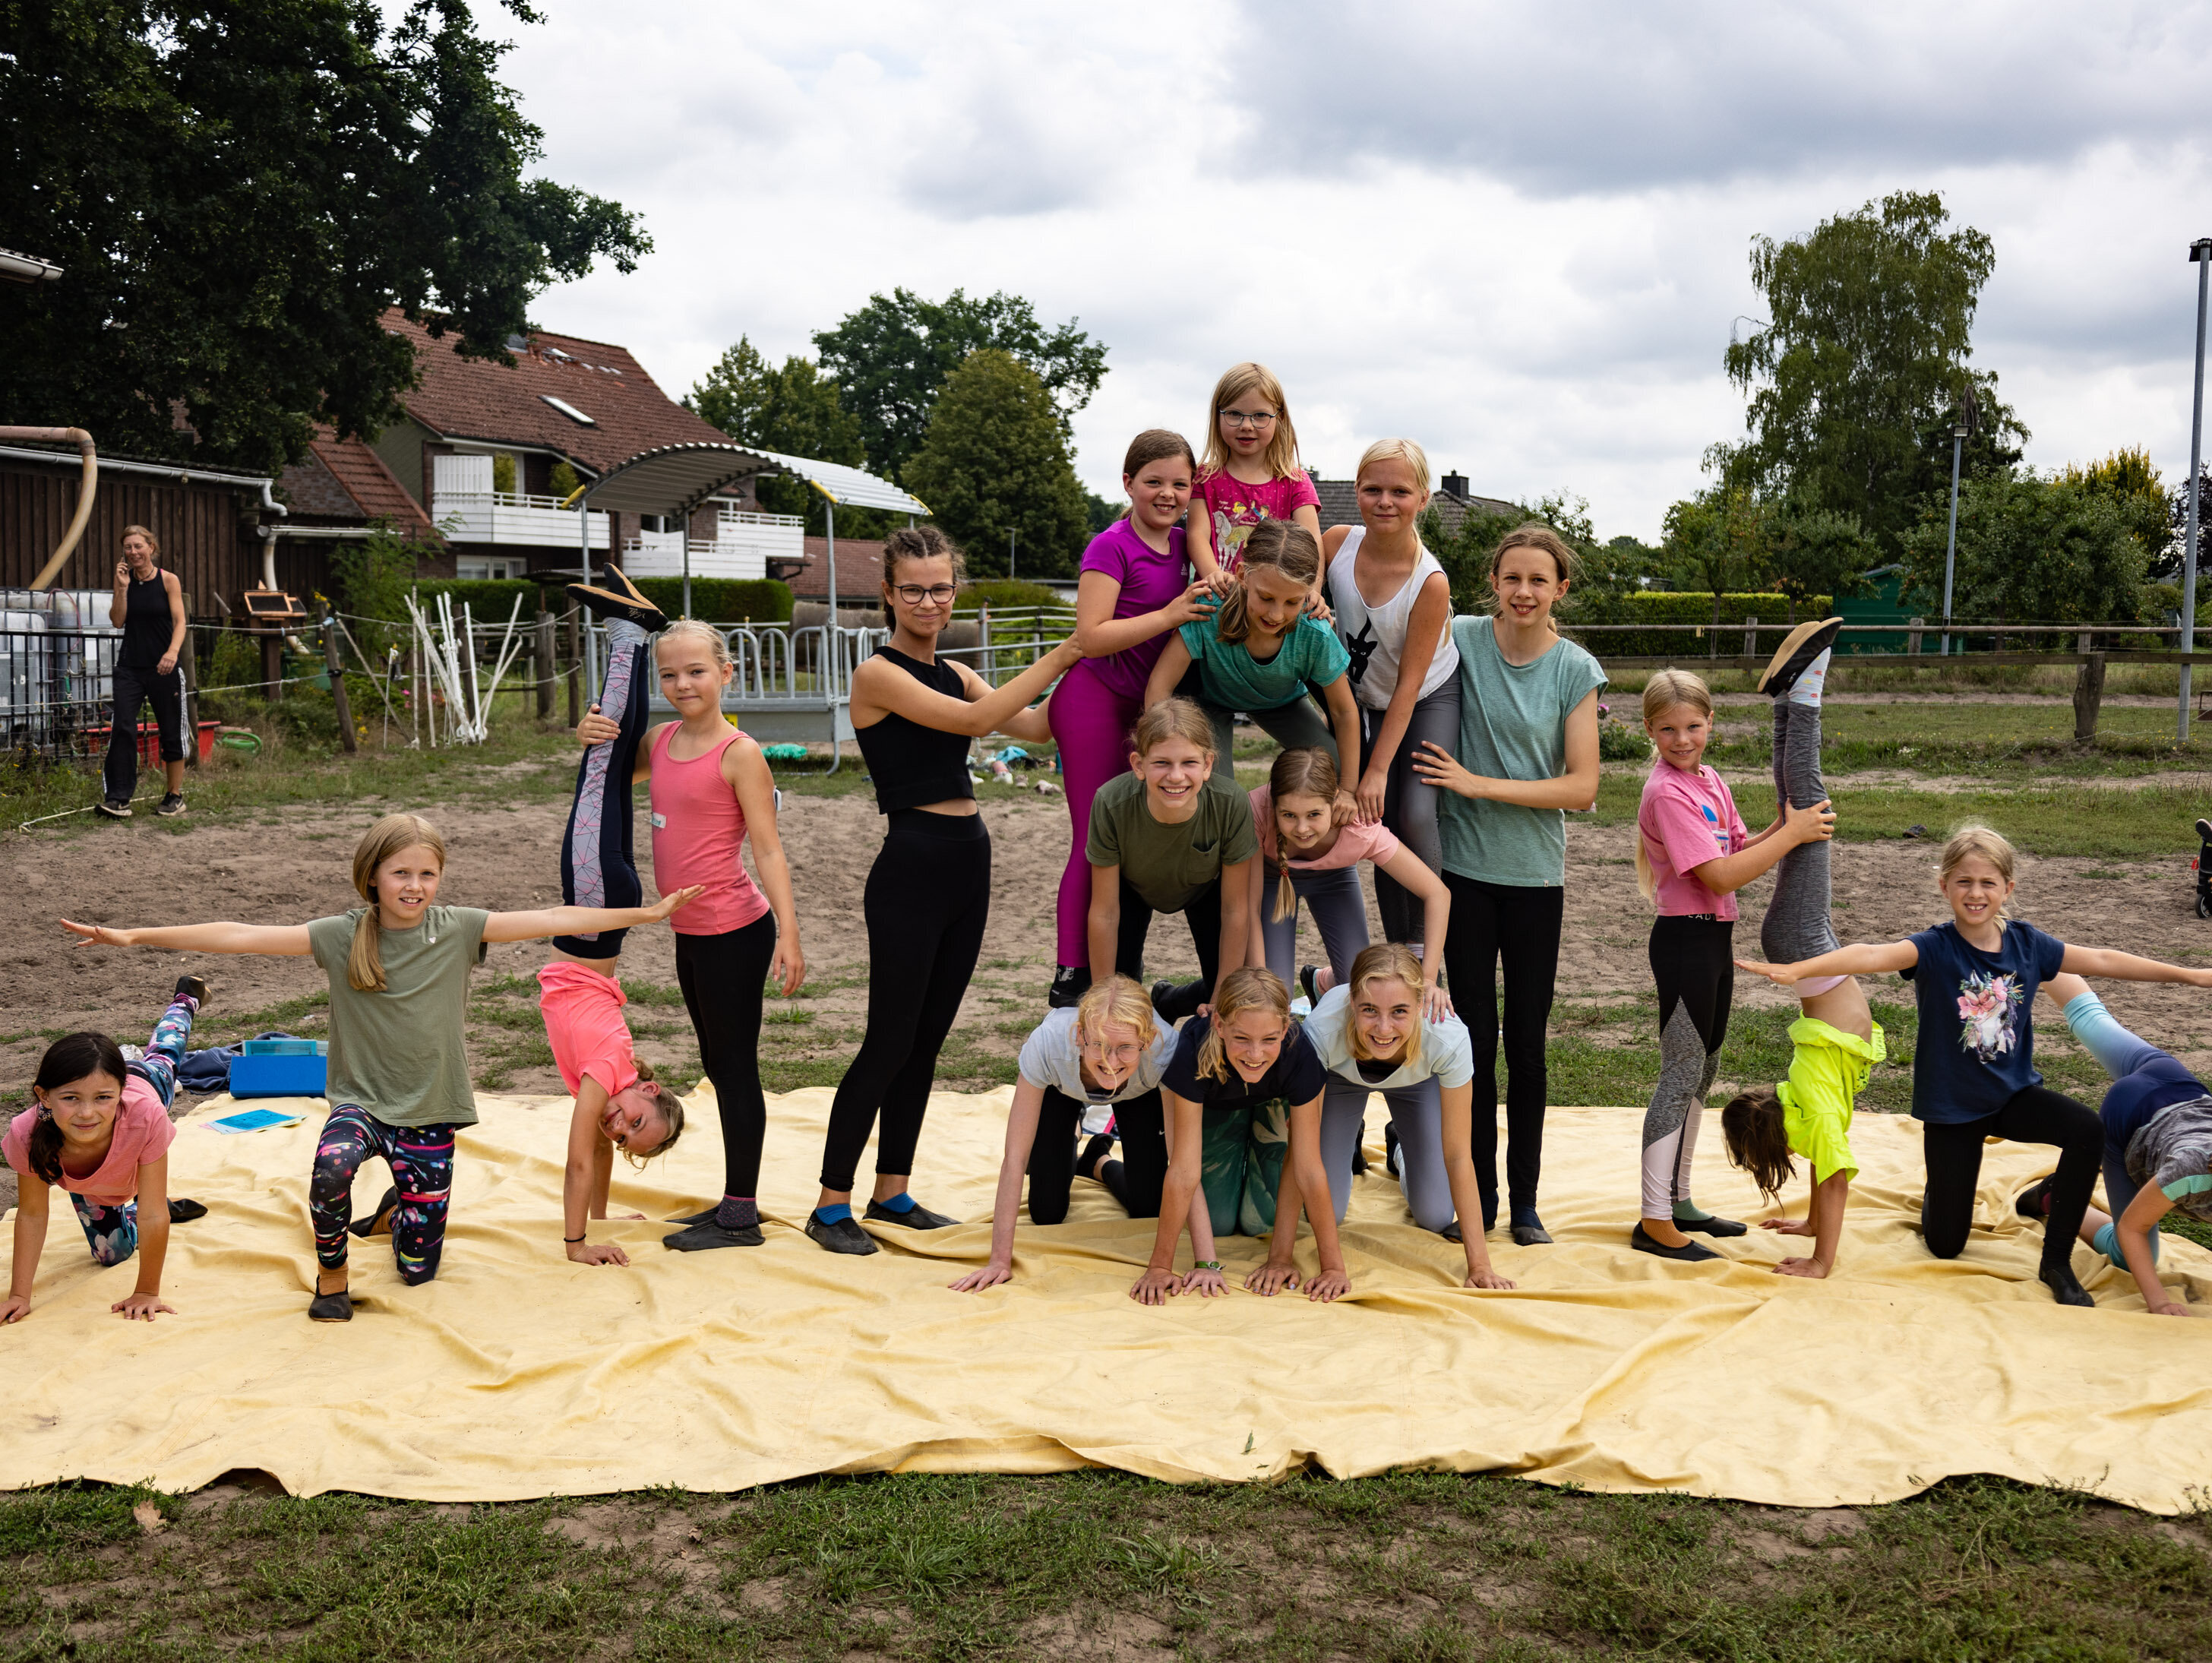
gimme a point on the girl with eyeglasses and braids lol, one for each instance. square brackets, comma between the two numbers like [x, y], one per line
[928, 894]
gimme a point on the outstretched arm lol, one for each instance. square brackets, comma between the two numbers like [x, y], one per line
[583, 920]
[2128, 967]
[153, 1246]
[1431, 617]
[1861, 958]
[879, 690]
[1344, 720]
[1414, 877]
[274, 940]
[2133, 1228]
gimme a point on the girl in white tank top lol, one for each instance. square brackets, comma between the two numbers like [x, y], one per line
[1376, 636]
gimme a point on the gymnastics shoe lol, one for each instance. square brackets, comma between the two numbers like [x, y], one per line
[2063, 1287]
[1391, 1163]
[183, 1211]
[379, 1222]
[2034, 1201]
[192, 987]
[1451, 1231]
[1711, 1225]
[1799, 649]
[330, 1307]
[844, 1235]
[706, 1217]
[1069, 983]
[916, 1217]
[629, 603]
[1688, 1253]
[1528, 1231]
[705, 1234]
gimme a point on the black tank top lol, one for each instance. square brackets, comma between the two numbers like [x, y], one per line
[146, 623]
[909, 763]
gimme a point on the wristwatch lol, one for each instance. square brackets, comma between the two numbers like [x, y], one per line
[1205, 1264]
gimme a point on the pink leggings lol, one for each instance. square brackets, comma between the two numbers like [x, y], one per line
[1090, 724]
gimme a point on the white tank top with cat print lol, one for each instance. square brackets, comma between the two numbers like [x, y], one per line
[1376, 636]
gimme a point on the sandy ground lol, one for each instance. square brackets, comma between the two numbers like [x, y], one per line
[294, 865]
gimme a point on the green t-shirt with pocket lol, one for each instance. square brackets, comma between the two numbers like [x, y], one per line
[400, 1054]
[1165, 864]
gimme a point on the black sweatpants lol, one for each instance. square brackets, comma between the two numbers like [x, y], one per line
[1137, 1123]
[135, 688]
[1517, 926]
[1203, 914]
[1137, 1179]
[724, 980]
[927, 899]
[598, 863]
[2034, 1114]
[1693, 966]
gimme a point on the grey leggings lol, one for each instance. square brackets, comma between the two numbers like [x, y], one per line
[1797, 925]
[1340, 912]
[1291, 725]
[1417, 1110]
[1409, 805]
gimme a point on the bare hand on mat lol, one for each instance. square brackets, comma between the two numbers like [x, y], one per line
[1486, 1278]
[586, 1252]
[14, 1309]
[139, 1307]
[1156, 1287]
[989, 1276]
[1205, 1284]
[1328, 1285]
[1271, 1279]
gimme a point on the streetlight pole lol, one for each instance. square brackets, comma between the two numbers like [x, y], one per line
[2200, 254]
[1951, 548]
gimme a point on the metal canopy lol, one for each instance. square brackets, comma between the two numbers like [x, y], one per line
[675, 479]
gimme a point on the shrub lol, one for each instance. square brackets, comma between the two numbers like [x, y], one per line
[722, 599]
[997, 592]
[489, 599]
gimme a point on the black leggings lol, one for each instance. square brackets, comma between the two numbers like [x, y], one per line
[1202, 912]
[1519, 924]
[1693, 963]
[2034, 1114]
[1137, 1123]
[724, 978]
[1137, 1179]
[599, 861]
[927, 899]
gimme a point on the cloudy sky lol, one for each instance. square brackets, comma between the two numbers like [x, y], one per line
[1517, 233]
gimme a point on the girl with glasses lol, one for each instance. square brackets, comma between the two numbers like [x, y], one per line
[928, 894]
[1250, 473]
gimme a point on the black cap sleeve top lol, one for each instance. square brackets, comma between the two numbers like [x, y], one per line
[911, 764]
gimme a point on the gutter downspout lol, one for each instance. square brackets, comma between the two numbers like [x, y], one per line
[86, 490]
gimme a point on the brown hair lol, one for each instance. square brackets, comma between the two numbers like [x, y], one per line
[1155, 444]
[1757, 1141]
[1537, 535]
[923, 542]
[1281, 456]
[1306, 772]
[1172, 718]
[1249, 988]
[152, 541]
[72, 1057]
[1286, 546]
[1666, 690]
[365, 961]
[670, 1110]
[1387, 961]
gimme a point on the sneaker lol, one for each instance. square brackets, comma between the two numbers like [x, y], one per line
[170, 805]
[115, 808]
[842, 1235]
[2205, 831]
[627, 603]
[1069, 983]
[1799, 649]
[191, 988]
[916, 1217]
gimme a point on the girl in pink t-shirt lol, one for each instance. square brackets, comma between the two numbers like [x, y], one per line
[1251, 473]
[1692, 854]
[99, 1130]
[1306, 855]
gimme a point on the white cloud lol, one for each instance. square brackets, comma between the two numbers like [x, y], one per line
[1516, 233]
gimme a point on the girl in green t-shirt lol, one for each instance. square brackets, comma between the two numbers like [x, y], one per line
[398, 1086]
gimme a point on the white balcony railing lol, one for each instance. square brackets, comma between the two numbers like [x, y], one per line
[512, 518]
[741, 547]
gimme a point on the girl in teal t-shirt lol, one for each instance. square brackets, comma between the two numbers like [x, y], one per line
[1260, 654]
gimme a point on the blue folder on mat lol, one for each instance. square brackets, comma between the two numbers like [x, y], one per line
[281, 1068]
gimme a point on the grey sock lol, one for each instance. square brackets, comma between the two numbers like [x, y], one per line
[1797, 925]
[737, 1213]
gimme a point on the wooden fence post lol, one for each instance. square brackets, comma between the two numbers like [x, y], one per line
[338, 687]
[1912, 638]
[2089, 690]
[1751, 636]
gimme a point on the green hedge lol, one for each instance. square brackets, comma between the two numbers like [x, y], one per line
[1678, 607]
[722, 599]
[489, 599]
[996, 592]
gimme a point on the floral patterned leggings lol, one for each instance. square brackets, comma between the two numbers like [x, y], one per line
[422, 1162]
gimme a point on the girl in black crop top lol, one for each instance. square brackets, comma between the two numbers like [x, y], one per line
[928, 894]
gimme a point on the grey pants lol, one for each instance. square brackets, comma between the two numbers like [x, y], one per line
[1797, 925]
[1409, 805]
[1417, 1110]
[1294, 726]
[1340, 912]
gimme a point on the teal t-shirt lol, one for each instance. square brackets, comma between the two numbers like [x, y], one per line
[1236, 681]
[1512, 725]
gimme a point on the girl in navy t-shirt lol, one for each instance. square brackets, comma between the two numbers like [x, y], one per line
[1974, 1066]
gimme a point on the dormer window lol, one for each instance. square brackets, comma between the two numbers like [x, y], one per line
[568, 410]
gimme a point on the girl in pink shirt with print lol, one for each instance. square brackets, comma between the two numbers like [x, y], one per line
[1692, 854]
[1251, 473]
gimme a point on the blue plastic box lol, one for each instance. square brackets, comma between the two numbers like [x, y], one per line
[281, 1068]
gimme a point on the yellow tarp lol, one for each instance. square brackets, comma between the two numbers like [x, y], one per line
[518, 1374]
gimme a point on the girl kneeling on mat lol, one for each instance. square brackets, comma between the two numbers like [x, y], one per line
[100, 1129]
[1243, 1095]
[1977, 974]
[1371, 1035]
[1692, 854]
[1100, 1061]
[399, 1083]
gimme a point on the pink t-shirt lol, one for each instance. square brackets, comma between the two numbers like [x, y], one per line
[583, 1012]
[699, 837]
[1685, 820]
[143, 1134]
[1354, 843]
[1232, 508]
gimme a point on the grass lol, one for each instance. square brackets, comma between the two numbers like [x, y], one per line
[1410, 1568]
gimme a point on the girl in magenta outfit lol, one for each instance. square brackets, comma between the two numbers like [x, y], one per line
[1135, 590]
[1251, 473]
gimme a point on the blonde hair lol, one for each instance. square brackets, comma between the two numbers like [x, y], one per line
[1281, 456]
[153, 542]
[1249, 988]
[1288, 547]
[1172, 718]
[1974, 839]
[1117, 999]
[1668, 688]
[1308, 771]
[691, 626]
[670, 1110]
[1396, 450]
[1387, 961]
[365, 959]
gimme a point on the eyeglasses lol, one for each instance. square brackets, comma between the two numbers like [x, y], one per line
[1123, 1054]
[1249, 418]
[914, 593]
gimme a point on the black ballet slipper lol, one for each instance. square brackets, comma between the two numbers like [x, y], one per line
[1391, 1160]
[1308, 976]
[916, 1217]
[2204, 831]
[2063, 1287]
[705, 1235]
[378, 1223]
[193, 988]
[706, 1217]
[1451, 1231]
[1711, 1225]
[1092, 1161]
[1531, 1234]
[2034, 1201]
[604, 603]
[182, 1211]
[1689, 1252]
[1069, 983]
[1799, 649]
[842, 1235]
[330, 1307]
[1359, 1161]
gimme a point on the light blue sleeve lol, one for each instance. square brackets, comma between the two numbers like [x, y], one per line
[2118, 1052]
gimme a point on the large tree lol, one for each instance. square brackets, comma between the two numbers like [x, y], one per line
[2031, 549]
[994, 462]
[1854, 381]
[237, 191]
[892, 355]
[793, 409]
